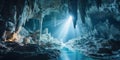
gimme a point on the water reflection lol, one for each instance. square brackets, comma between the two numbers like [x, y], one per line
[67, 54]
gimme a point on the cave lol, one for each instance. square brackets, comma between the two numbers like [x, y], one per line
[60, 29]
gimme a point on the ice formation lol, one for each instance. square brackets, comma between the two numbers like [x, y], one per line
[95, 26]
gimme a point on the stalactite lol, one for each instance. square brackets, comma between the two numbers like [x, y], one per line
[82, 8]
[98, 3]
[72, 4]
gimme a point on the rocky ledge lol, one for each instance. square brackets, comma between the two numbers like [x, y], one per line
[14, 51]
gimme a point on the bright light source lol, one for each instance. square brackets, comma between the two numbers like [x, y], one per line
[63, 32]
[66, 30]
[70, 17]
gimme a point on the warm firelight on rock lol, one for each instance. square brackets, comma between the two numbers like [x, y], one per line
[13, 38]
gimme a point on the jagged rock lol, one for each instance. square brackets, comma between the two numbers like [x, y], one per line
[96, 19]
[105, 51]
[2, 29]
[102, 49]
[29, 51]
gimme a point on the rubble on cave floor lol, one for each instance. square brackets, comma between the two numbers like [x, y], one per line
[48, 48]
[97, 47]
[14, 51]
[27, 47]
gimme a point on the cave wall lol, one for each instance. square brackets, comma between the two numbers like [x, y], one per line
[14, 14]
[99, 29]
[101, 17]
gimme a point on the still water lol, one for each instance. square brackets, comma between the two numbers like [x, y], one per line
[67, 54]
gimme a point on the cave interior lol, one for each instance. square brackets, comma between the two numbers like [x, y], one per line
[60, 29]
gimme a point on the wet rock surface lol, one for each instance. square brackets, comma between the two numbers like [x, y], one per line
[97, 22]
[107, 49]
[15, 51]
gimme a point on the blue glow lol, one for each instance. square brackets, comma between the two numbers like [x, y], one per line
[66, 29]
